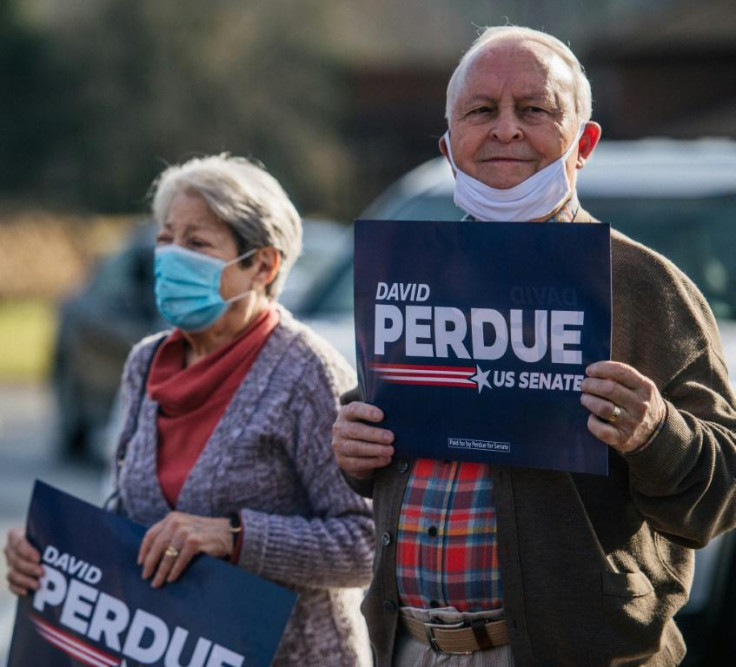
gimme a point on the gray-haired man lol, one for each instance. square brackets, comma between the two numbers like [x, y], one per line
[528, 567]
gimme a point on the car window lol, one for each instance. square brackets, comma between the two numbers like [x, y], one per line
[697, 234]
[428, 207]
[321, 243]
[131, 268]
[332, 292]
[339, 298]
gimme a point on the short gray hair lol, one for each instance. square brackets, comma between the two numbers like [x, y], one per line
[582, 91]
[245, 197]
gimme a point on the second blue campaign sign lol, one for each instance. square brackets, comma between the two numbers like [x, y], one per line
[473, 338]
[94, 609]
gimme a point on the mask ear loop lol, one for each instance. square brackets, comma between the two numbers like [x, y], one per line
[449, 149]
[245, 255]
[575, 141]
[240, 258]
[570, 150]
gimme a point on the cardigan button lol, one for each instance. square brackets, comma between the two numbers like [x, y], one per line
[389, 605]
[402, 466]
[386, 539]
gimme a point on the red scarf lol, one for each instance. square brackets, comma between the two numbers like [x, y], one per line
[193, 399]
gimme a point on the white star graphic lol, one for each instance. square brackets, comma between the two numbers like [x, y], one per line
[481, 378]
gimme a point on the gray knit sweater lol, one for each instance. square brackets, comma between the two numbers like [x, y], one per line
[269, 459]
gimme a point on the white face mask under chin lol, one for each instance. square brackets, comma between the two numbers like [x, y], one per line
[533, 199]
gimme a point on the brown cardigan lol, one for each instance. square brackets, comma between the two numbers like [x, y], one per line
[594, 568]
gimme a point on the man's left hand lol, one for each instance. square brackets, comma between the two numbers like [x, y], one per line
[626, 407]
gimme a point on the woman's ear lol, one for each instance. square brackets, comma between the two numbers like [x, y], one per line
[267, 262]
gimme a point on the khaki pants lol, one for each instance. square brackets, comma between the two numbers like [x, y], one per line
[411, 652]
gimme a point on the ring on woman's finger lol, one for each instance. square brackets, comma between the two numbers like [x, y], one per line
[614, 415]
[171, 551]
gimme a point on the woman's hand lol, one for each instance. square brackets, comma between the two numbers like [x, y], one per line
[169, 545]
[626, 406]
[359, 447]
[24, 563]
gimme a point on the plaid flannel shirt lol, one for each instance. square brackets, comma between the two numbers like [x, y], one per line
[447, 553]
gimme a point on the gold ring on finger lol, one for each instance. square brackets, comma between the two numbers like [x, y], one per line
[171, 551]
[614, 415]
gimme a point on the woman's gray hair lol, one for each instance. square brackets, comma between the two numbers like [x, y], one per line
[582, 92]
[245, 197]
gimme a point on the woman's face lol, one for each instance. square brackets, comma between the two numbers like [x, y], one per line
[192, 225]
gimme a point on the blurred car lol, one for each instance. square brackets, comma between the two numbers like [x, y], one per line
[678, 197]
[116, 308]
[96, 328]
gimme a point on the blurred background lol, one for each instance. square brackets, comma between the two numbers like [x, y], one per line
[338, 98]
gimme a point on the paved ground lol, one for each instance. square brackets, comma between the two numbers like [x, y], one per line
[26, 453]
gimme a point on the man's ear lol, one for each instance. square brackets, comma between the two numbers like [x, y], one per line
[445, 150]
[443, 146]
[587, 142]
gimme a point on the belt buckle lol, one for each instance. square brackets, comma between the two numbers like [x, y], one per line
[429, 631]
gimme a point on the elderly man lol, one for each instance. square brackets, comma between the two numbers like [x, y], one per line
[530, 567]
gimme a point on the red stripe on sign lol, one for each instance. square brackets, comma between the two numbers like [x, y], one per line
[73, 647]
[435, 382]
[412, 367]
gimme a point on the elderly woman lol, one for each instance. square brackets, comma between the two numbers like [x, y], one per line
[225, 447]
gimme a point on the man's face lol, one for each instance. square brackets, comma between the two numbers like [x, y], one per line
[514, 113]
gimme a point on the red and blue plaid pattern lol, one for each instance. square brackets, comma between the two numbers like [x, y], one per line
[446, 543]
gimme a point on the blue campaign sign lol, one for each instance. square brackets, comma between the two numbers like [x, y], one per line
[94, 609]
[473, 338]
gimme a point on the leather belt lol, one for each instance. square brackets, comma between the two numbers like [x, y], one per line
[458, 637]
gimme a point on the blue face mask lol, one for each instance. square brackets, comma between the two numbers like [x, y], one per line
[188, 286]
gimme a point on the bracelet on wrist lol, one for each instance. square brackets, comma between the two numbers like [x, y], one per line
[236, 530]
[236, 525]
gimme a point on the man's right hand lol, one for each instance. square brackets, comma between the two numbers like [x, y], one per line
[359, 447]
[24, 563]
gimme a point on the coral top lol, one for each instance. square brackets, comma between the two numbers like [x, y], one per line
[193, 399]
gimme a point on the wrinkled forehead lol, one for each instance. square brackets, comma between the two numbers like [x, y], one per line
[522, 63]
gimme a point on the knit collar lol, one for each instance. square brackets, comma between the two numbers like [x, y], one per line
[179, 389]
